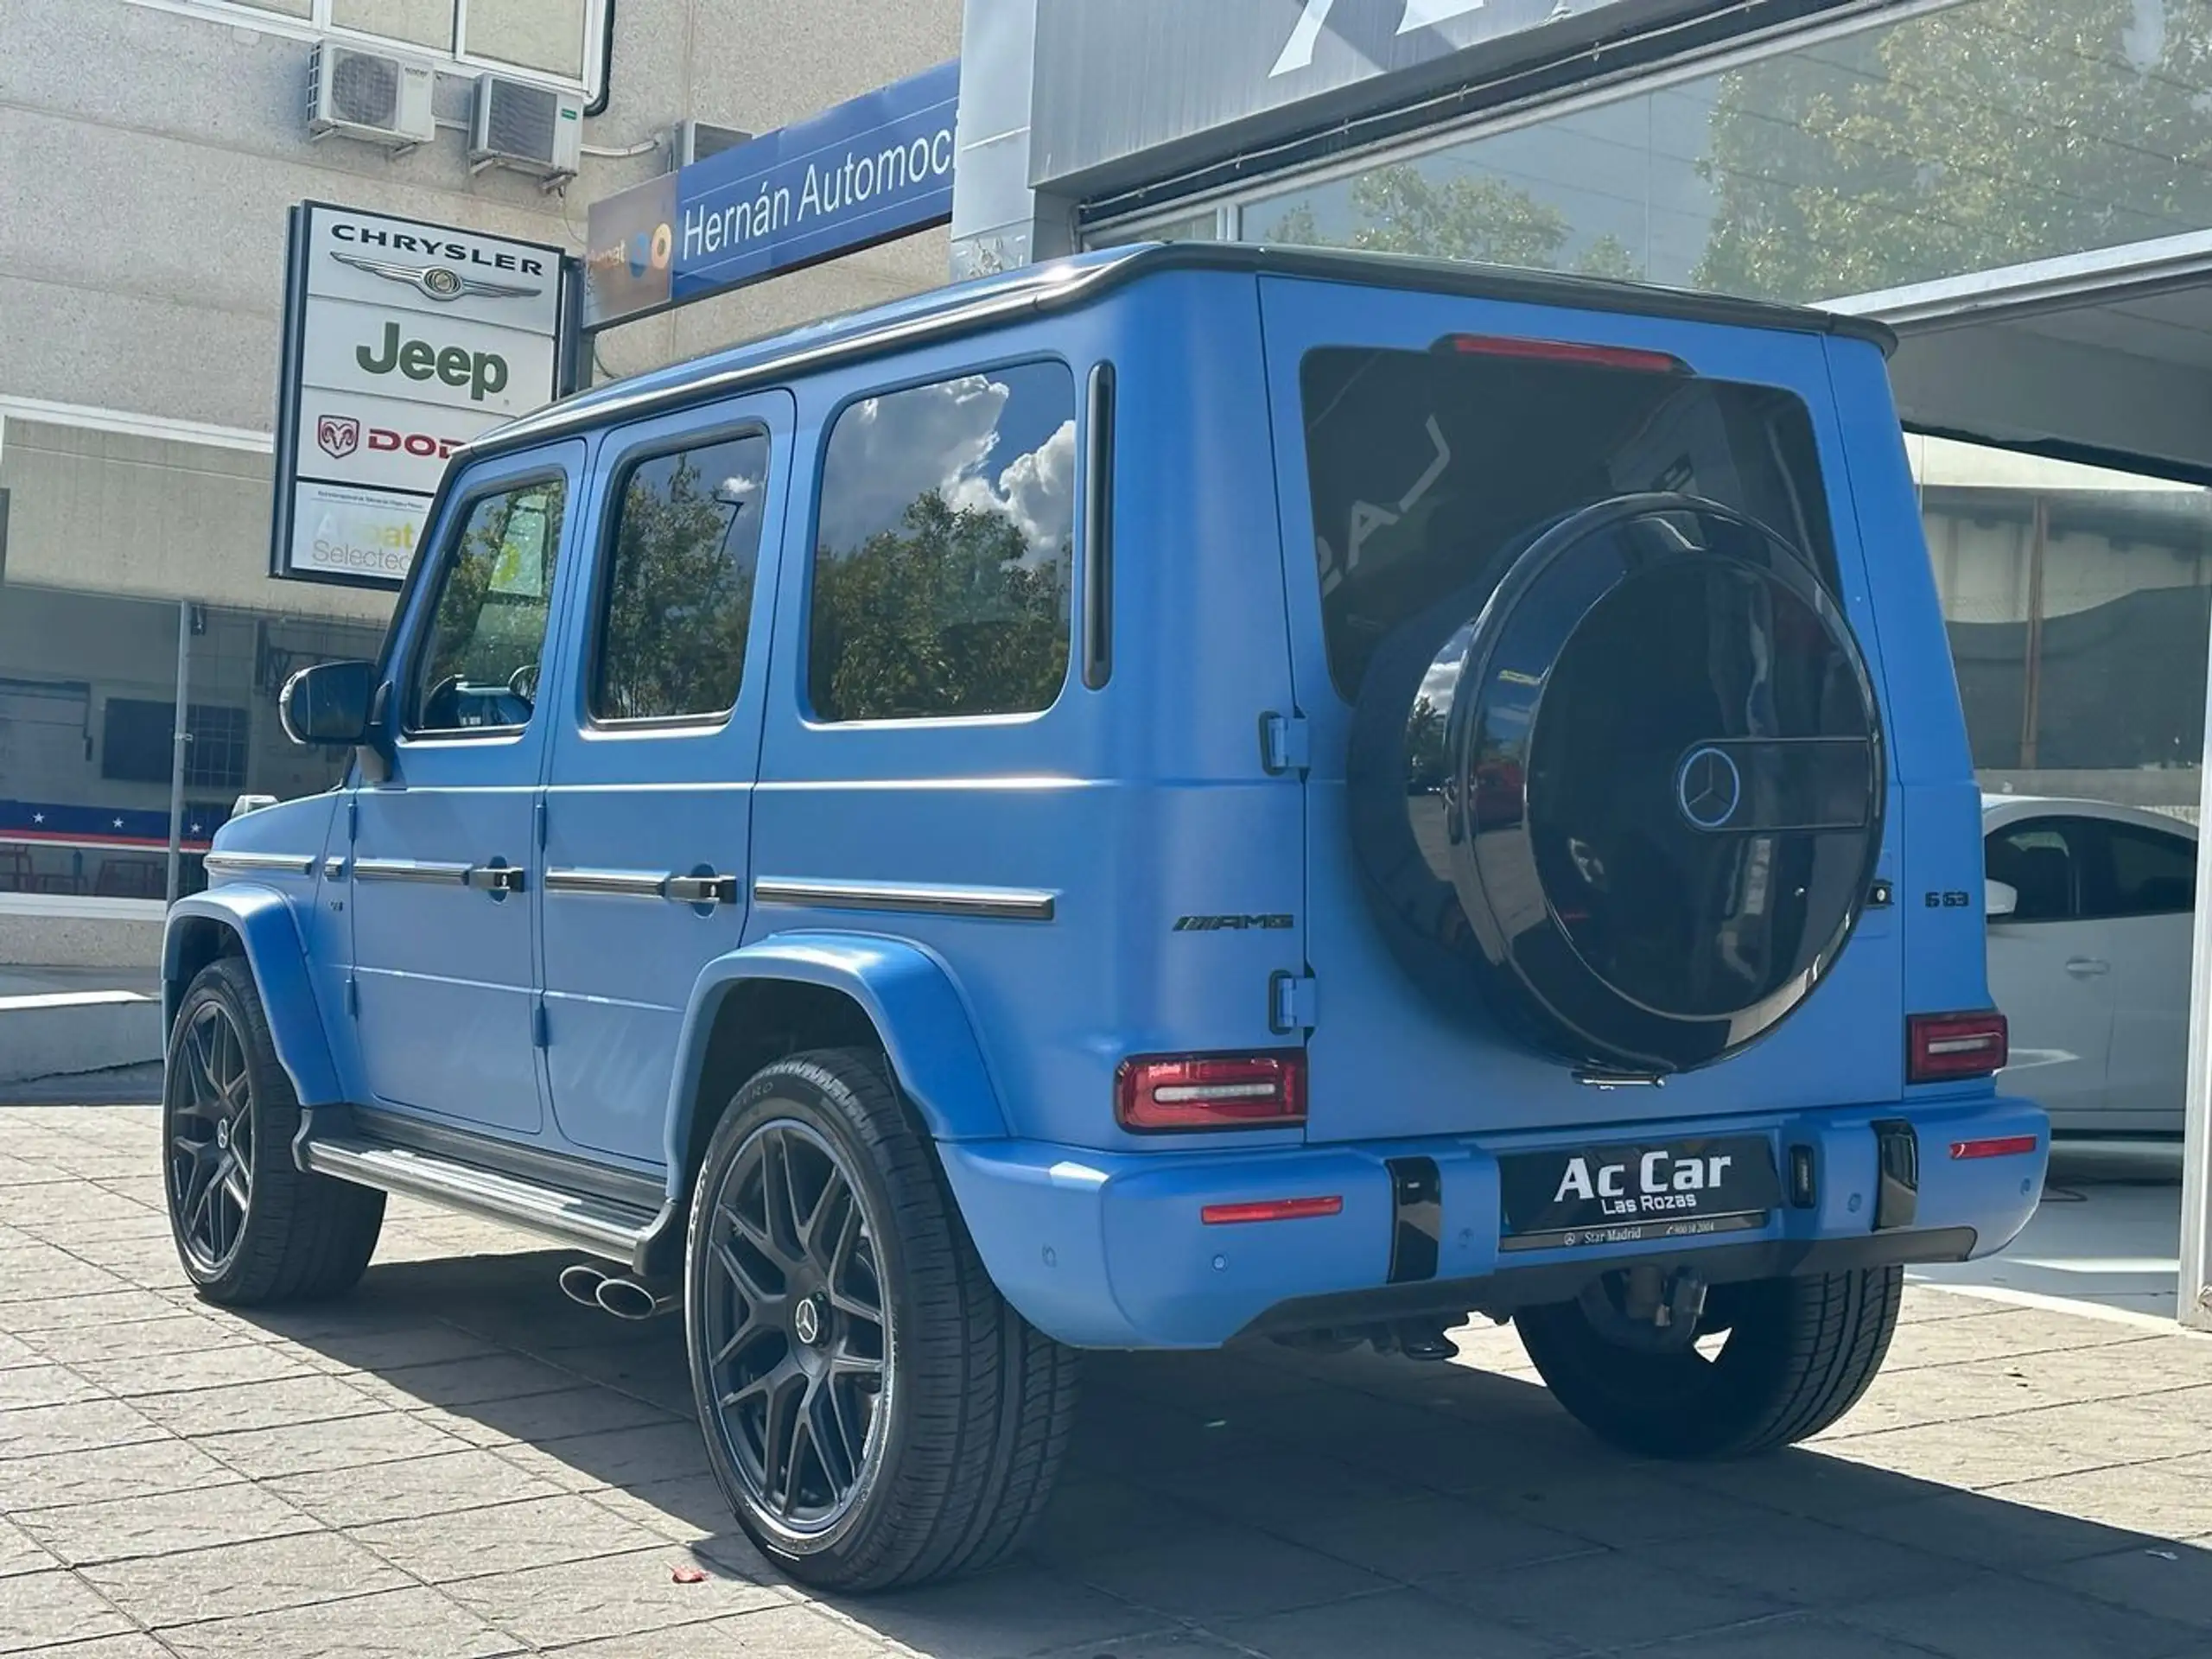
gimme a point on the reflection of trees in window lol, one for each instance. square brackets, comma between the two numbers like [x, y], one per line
[680, 597]
[491, 616]
[942, 614]
[1982, 135]
[1469, 216]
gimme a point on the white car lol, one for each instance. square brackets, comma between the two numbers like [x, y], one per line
[2091, 925]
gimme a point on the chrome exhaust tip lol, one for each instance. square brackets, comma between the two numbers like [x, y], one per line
[581, 1281]
[631, 1299]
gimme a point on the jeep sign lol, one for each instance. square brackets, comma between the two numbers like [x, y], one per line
[402, 342]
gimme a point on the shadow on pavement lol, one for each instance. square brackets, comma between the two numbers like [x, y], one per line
[1282, 1502]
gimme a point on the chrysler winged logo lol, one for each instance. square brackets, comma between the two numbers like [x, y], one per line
[339, 435]
[440, 282]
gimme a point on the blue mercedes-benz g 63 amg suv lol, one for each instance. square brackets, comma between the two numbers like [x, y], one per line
[1188, 793]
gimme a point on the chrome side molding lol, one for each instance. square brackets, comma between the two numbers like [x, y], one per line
[1000, 904]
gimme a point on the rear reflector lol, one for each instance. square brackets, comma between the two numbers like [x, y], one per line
[1564, 350]
[2000, 1145]
[1942, 1046]
[1227, 1215]
[1213, 1091]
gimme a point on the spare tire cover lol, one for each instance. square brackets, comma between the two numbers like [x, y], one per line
[1630, 790]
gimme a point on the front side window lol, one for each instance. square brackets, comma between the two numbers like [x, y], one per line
[943, 549]
[2152, 873]
[479, 664]
[2041, 860]
[1428, 467]
[679, 586]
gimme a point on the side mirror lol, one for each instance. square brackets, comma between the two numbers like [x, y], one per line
[328, 704]
[2003, 899]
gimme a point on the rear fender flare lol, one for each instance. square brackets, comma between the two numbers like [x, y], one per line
[261, 918]
[908, 995]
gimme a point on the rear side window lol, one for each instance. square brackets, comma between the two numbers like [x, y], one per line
[679, 585]
[2152, 873]
[1425, 467]
[943, 549]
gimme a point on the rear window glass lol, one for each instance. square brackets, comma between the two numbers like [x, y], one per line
[1427, 465]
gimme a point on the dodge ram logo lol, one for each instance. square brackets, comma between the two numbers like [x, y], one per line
[339, 435]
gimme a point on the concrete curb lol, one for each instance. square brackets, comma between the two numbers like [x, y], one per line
[60, 1031]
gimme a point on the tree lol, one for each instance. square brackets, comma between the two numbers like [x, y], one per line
[1979, 135]
[947, 613]
[1472, 217]
[681, 599]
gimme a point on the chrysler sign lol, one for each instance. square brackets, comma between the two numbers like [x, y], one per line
[402, 342]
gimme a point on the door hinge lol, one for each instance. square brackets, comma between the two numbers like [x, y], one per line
[539, 1037]
[1291, 998]
[538, 819]
[352, 997]
[1284, 744]
[353, 818]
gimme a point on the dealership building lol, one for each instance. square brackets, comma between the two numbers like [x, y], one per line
[2021, 188]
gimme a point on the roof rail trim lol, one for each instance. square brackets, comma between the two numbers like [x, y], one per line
[1060, 285]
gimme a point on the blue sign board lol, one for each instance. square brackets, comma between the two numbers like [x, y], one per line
[868, 171]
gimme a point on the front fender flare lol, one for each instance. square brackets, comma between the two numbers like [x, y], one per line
[905, 990]
[262, 918]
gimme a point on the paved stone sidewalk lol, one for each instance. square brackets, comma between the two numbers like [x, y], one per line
[457, 1461]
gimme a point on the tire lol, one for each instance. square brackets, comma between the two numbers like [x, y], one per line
[936, 1415]
[1798, 1354]
[250, 1228]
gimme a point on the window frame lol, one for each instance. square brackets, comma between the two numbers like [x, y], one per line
[455, 520]
[1079, 550]
[2084, 840]
[600, 593]
[452, 60]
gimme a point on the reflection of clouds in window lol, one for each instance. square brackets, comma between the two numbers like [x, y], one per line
[945, 439]
[1037, 492]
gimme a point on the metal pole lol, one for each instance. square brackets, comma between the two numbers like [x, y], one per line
[180, 736]
[2195, 1301]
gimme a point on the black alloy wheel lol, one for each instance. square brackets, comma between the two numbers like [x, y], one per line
[796, 1330]
[210, 1140]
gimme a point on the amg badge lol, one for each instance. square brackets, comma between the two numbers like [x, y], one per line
[1271, 924]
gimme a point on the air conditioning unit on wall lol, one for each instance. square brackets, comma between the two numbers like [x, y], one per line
[530, 128]
[370, 95]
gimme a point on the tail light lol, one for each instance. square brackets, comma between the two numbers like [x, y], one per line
[1211, 1091]
[1564, 351]
[1940, 1047]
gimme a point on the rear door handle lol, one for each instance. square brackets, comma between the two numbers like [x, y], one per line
[496, 878]
[2087, 967]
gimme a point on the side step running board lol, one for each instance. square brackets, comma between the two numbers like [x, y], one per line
[601, 1227]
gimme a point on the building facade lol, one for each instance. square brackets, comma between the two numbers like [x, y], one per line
[148, 152]
[2022, 187]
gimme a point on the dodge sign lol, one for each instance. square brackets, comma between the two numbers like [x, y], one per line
[402, 342]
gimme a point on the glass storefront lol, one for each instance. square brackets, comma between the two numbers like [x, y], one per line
[1974, 136]
[1953, 139]
[2078, 601]
[88, 691]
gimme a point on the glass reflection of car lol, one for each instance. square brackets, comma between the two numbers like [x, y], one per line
[2091, 916]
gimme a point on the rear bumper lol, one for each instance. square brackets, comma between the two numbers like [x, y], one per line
[1108, 1249]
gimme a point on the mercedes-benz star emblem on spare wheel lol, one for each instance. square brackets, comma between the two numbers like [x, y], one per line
[1709, 788]
[439, 281]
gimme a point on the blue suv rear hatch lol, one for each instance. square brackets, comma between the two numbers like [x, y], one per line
[1604, 798]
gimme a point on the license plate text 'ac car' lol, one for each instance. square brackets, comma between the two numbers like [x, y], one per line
[1623, 1194]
